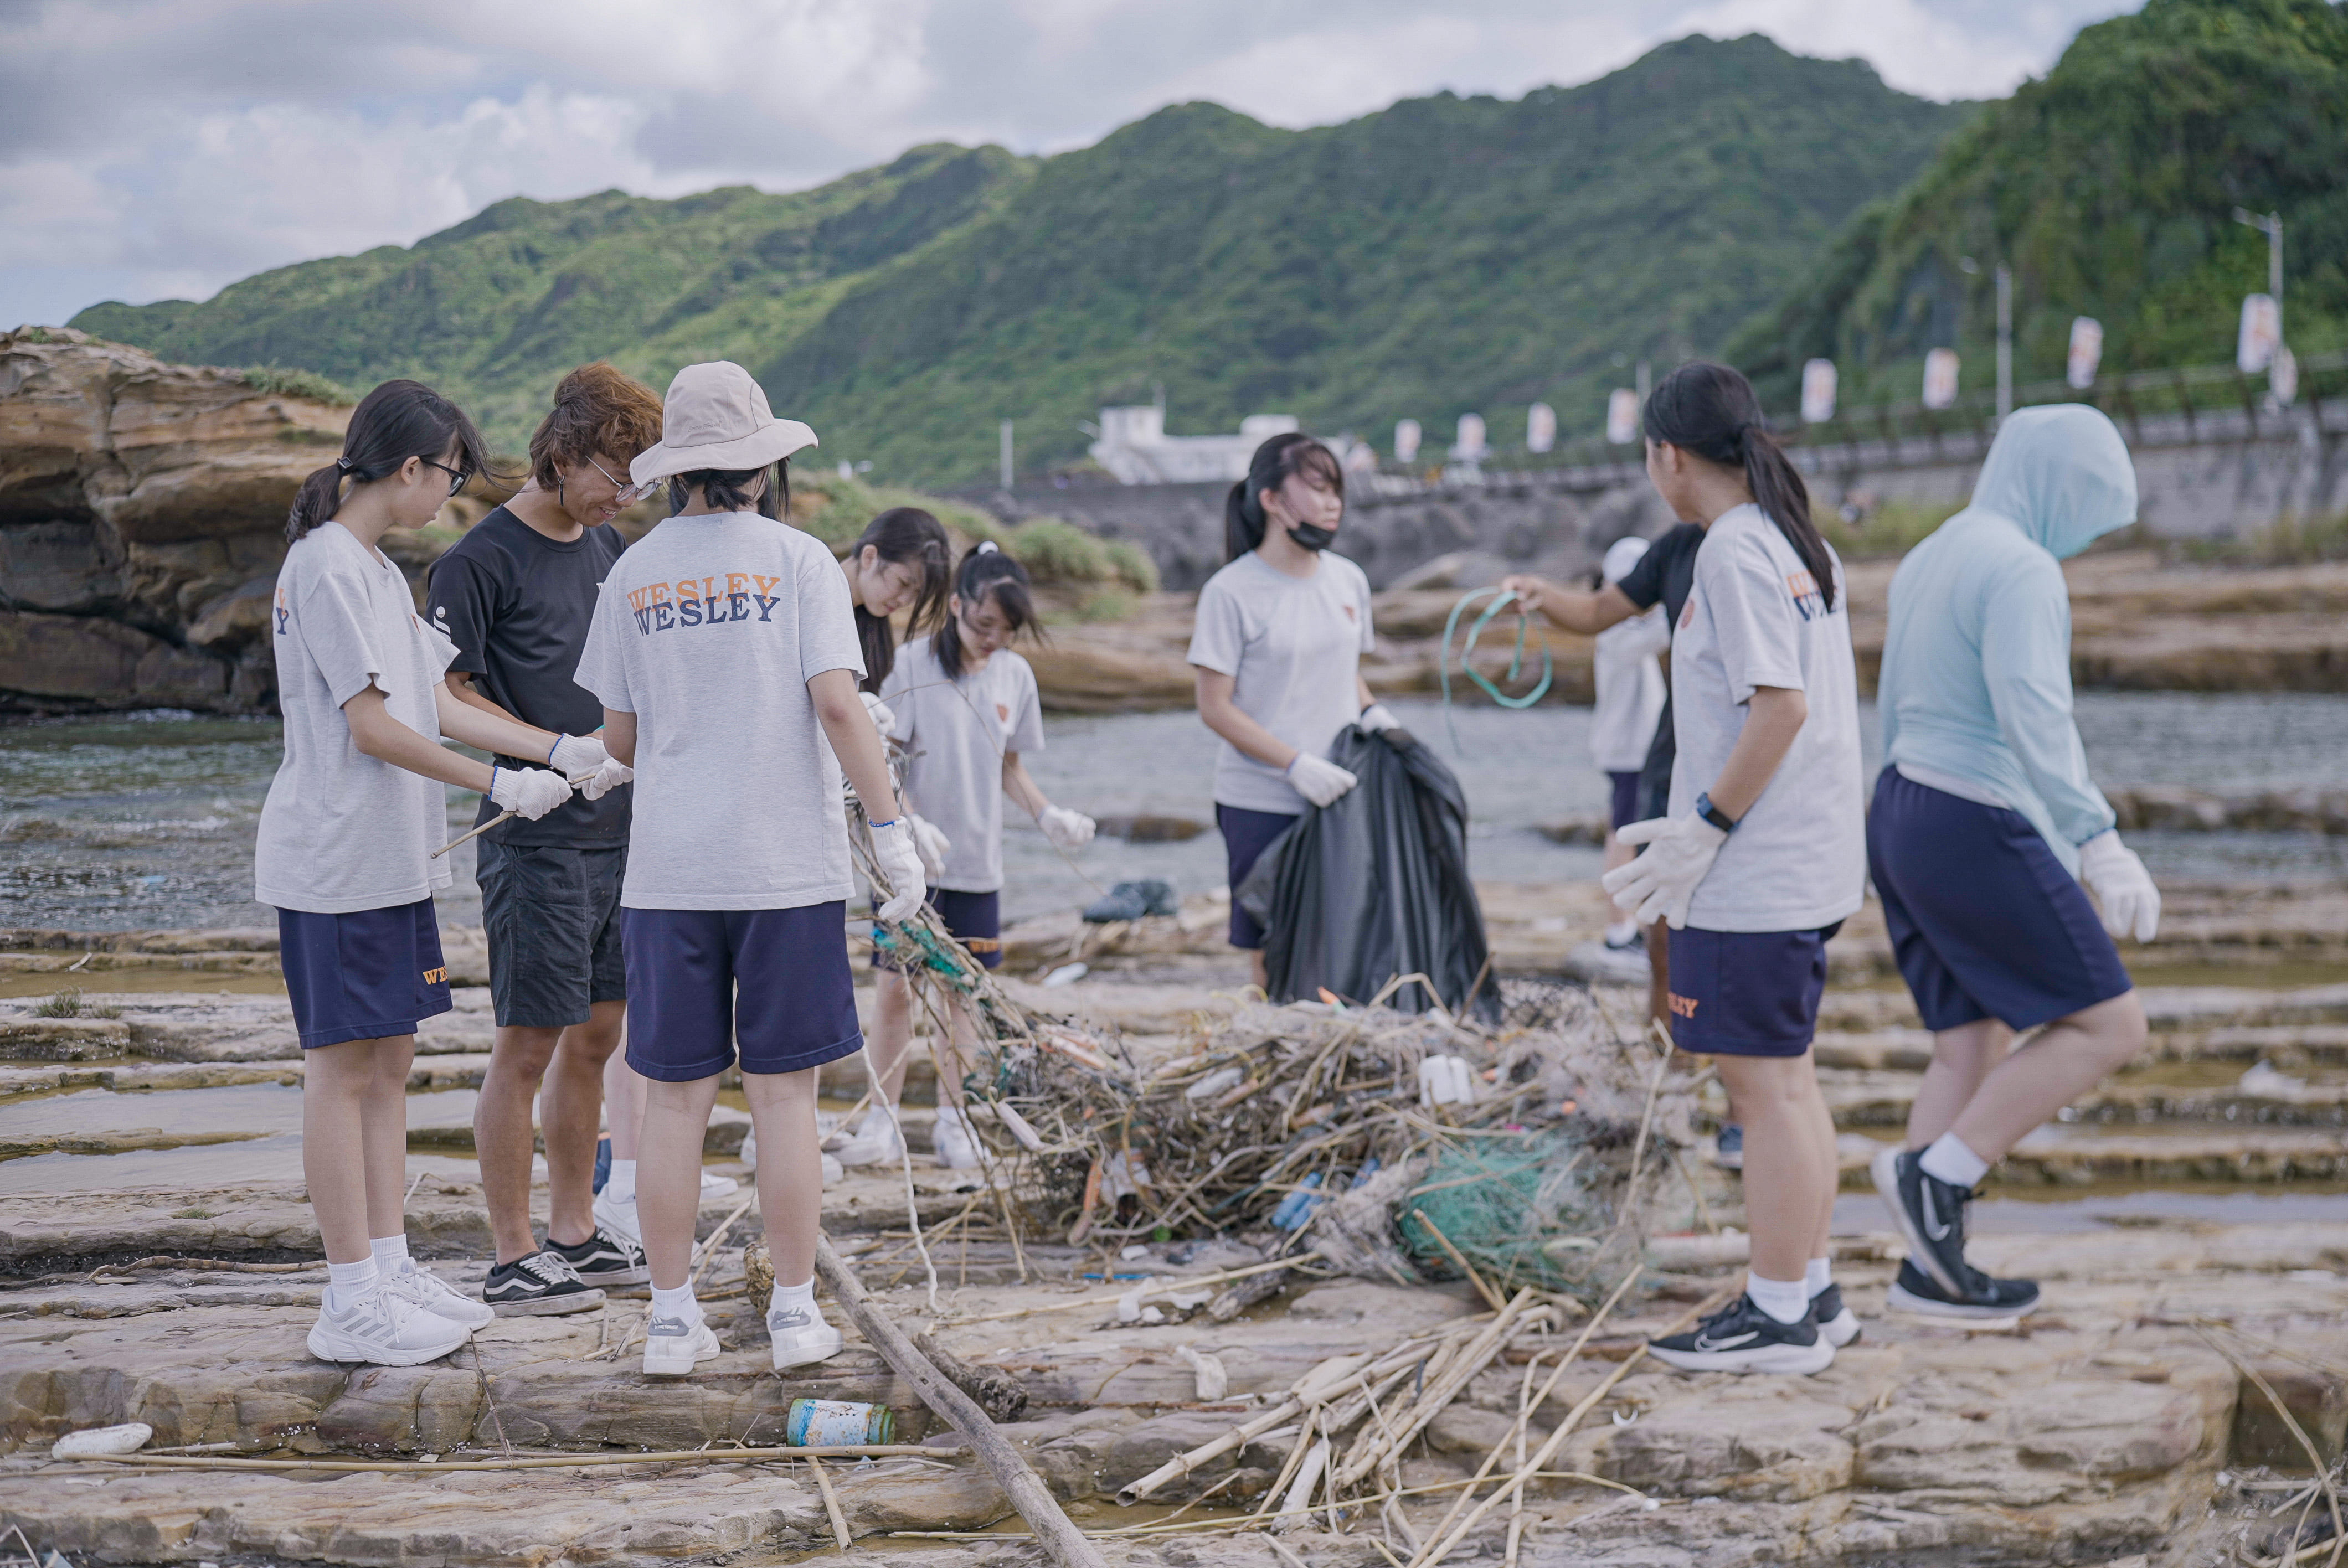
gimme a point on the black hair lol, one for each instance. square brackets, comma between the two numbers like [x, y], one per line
[729, 490]
[903, 536]
[396, 421]
[1710, 410]
[1291, 452]
[986, 573]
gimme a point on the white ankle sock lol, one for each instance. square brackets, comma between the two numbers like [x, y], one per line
[1948, 1160]
[800, 1296]
[620, 1185]
[390, 1253]
[678, 1303]
[1786, 1300]
[1816, 1274]
[346, 1282]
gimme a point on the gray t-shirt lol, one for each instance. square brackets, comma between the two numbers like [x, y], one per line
[708, 630]
[957, 732]
[342, 832]
[1797, 860]
[1293, 647]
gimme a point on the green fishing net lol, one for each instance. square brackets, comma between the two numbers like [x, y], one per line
[1530, 1209]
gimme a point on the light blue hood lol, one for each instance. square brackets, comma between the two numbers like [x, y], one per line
[1975, 692]
[2062, 473]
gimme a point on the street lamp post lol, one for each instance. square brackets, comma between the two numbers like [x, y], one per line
[2270, 225]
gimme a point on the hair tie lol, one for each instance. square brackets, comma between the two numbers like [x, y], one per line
[985, 547]
[345, 464]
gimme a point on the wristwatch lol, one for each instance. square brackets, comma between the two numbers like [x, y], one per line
[1713, 814]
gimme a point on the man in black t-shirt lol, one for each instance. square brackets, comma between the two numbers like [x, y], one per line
[516, 595]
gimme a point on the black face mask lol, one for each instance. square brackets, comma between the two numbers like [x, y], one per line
[1312, 536]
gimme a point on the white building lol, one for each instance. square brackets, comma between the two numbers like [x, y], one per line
[1133, 447]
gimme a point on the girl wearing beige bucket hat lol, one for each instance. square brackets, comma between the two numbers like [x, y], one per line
[723, 651]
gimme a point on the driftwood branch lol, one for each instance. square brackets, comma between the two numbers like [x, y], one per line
[1065, 1544]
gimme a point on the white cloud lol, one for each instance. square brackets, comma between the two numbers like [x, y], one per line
[160, 149]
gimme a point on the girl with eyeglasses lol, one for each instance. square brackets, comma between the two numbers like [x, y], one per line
[344, 851]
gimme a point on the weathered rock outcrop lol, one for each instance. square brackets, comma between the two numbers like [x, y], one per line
[142, 509]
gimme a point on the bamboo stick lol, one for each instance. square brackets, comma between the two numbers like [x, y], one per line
[831, 1505]
[1062, 1541]
[1438, 1394]
[536, 1461]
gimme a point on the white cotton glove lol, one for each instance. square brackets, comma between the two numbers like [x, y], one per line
[1661, 884]
[528, 793]
[1318, 779]
[1066, 829]
[576, 754]
[2122, 886]
[929, 841]
[1376, 719]
[884, 718]
[609, 775]
[901, 863]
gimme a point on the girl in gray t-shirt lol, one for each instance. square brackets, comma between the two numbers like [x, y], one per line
[348, 850]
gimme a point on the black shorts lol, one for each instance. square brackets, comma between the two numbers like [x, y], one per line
[1746, 993]
[371, 974]
[973, 919]
[551, 915]
[796, 1003]
[1984, 922]
[1246, 836]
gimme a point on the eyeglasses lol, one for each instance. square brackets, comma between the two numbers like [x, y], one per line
[627, 493]
[456, 476]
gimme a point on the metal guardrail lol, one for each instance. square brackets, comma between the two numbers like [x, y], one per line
[2186, 406]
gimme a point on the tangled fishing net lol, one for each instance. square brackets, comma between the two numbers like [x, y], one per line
[1308, 1128]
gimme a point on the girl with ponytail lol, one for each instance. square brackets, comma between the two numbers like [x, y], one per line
[347, 849]
[1763, 854]
[965, 708]
[900, 564]
[1278, 645]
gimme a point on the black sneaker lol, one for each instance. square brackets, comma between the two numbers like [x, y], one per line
[1132, 900]
[1741, 1337]
[1930, 1214]
[1838, 1324]
[1984, 1299]
[538, 1285]
[604, 1259]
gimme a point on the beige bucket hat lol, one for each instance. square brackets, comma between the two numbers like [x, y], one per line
[716, 417]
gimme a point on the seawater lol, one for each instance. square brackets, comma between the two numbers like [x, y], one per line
[145, 821]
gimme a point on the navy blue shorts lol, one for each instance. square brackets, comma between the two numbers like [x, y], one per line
[1246, 836]
[1984, 921]
[1746, 993]
[372, 974]
[796, 1001]
[973, 919]
[1625, 804]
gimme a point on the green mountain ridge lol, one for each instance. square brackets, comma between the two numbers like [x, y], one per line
[1443, 255]
[2108, 185]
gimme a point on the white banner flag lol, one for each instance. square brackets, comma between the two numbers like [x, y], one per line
[2262, 334]
[1469, 445]
[2282, 375]
[1540, 427]
[1623, 416]
[1405, 440]
[1941, 378]
[2086, 351]
[1818, 392]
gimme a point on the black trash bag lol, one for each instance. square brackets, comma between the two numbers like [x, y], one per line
[1375, 885]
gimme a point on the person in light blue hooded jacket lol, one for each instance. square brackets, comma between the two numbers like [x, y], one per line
[1983, 826]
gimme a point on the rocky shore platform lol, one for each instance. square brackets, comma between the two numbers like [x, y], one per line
[159, 1264]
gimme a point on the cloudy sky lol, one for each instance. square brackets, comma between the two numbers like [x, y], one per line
[161, 148]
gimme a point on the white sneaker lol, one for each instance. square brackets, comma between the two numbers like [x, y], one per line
[672, 1350]
[419, 1286]
[954, 1140]
[617, 1216]
[714, 1186]
[749, 1155]
[878, 1141]
[384, 1329]
[801, 1336]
